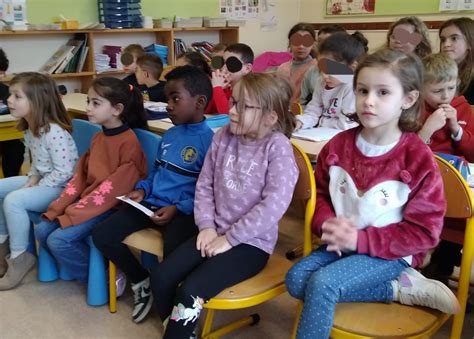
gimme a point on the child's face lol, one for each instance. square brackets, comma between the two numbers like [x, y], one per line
[453, 43]
[233, 77]
[183, 108]
[380, 100]
[18, 103]
[396, 42]
[100, 110]
[141, 75]
[439, 93]
[329, 80]
[301, 44]
[131, 68]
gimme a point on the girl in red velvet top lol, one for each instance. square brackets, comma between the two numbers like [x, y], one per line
[380, 203]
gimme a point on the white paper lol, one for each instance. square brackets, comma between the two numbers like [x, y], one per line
[7, 118]
[136, 205]
[155, 106]
[316, 134]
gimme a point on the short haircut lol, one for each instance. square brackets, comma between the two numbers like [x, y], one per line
[135, 49]
[195, 81]
[243, 50]
[3, 61]
[439, 68]
[152, 64]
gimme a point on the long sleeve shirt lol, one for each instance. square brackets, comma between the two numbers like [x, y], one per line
[177, 167]
[396, 199]
[308, 84]
[219, 103]
[441, 140]
[245, 188]
[295, 71]
[111, 167]
[53, 155]
[329, 107]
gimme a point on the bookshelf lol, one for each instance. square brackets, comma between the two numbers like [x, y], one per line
[44, 43]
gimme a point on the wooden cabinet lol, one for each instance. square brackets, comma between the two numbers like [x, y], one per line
[35, 47]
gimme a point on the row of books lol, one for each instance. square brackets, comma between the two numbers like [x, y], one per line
[203, 47]
[69, 58]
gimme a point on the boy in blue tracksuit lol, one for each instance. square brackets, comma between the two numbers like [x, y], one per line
[168, 189]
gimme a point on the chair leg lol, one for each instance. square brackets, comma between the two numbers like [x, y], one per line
[299, 309]
[112, 288]
[97, 285]
[47, 268]
[208, 323]
[250, 320]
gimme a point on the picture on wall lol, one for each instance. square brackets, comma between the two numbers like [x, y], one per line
[349, 7]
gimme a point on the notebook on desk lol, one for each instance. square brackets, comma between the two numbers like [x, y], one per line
[316, 134]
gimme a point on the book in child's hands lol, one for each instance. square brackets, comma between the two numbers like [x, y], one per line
[135, 204]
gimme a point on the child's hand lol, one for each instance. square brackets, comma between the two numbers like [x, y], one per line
[204, 238]
[164, 215]
[219, 79]
[136, 195]
[299, 125]
[340, 234]
[217, 246]
[435, 121]
[452, 117]
[33, 180]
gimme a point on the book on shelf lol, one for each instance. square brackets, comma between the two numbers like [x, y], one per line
[76, 44]
[56, 59]
[82, 59]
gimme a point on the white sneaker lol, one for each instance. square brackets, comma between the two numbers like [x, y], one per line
[415, 289]
[143, 299]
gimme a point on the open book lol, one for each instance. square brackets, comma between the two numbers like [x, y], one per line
[316, 134]
[136, 205]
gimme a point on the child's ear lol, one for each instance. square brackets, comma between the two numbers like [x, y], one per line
[118, 109]
[201, 102]
[248, 68]
[410, 99]
[271, 118]
[354, 65]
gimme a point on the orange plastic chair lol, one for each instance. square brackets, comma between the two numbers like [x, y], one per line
[373, 320]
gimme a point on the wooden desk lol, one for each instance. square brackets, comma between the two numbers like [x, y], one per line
[8, 129]
[76, 105]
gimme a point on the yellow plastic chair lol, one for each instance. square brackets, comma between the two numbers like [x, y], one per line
[296, 108]
[270, 282]
[373, 320]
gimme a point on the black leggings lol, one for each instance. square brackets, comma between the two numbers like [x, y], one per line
[109, 234]
[201, 278]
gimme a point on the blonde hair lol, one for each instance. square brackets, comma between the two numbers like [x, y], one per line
[273, 94]
[424, 47]
[45, 103]
[439, 68]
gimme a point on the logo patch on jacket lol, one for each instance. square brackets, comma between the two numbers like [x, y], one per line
[189, 154]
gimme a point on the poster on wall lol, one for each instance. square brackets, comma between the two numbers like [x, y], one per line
[239, 9]
[349, 7]
[13, 12]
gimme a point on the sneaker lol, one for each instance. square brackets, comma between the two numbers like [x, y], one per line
[415, 289]
[142, 300]
[120, 282]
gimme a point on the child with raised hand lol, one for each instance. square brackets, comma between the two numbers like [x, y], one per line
[169, 188]
[236, 62]
[373, 183]
[312, 75]
[35, 100]
[243, 190]
[110, 168]
[409, 35]
[457, 41]
[333, 98]
[129, 57]
[301, 43]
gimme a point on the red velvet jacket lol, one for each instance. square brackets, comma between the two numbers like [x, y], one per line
[379, 183]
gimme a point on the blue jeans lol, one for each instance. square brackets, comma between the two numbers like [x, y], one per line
[323, 279]
[15, 202]
[67, 244]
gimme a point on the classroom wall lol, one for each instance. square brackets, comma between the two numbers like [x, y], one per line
[314, 10]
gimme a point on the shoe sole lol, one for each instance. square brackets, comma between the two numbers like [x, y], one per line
[145, 312]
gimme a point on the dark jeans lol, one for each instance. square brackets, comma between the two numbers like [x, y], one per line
[109, 234]
[200, 278]
[12, 157]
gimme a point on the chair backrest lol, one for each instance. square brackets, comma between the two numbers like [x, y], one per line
[82, 133]
[150, 143]
[305, 191]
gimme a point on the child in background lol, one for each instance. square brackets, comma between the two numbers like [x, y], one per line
[149, 69]
[129, 57]
[301, 43]
[110, 168]
[236, 62]
[409, 35]
[35, 100]
[218, 51]
[312, 75]
[373, 183]
[169, 188]
[457, 41]
[195, 59]
[12, 151]
[243, 190]
[333, 99]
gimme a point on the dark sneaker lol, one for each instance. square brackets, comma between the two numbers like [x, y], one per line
[142, 300]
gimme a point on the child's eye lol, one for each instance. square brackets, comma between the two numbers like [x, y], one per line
[175, 99]
[361, 91]
[451, 88]
[383, 92]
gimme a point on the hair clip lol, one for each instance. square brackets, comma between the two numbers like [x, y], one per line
[131, 87]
